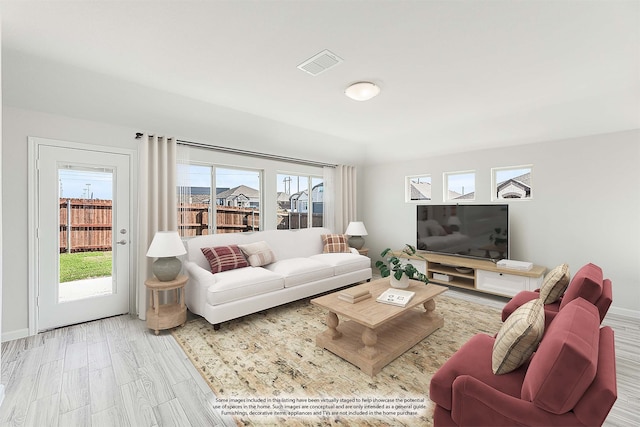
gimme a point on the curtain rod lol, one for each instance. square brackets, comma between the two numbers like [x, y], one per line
[249, 153]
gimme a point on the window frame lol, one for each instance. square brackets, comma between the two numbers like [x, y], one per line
[495, 183]
[212, 225]
[407, 188]
[446, 188]
[309, 203]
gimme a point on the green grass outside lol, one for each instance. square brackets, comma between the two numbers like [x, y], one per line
[84, 265]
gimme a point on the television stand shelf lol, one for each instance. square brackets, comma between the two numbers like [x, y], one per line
[475, 274]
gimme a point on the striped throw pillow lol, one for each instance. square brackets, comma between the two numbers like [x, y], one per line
[258, 253]
[554, 284]
[518, 337]
[223, 258]
[334, 243]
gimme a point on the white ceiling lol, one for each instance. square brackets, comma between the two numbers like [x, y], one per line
[455, 75]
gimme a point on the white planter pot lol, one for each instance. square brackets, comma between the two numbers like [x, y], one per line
[402, 283]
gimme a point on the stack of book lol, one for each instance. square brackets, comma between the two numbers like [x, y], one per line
[396, 297]
[354, 295]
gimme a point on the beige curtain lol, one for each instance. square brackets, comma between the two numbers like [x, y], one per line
[340, 197]
[157, 198]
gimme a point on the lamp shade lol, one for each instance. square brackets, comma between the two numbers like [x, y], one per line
[166, 244]
[356, 228]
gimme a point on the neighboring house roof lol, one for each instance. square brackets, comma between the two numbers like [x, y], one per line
[248, 192]
[517, 187]
[421, 191]
[282, 196]
[454, 195]
[524, 180]
[468, 196]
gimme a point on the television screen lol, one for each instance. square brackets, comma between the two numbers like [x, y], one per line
[478, 231]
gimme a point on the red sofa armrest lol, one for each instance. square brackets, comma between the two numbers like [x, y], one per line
[518, 299]
[475, 403]
[604, 302]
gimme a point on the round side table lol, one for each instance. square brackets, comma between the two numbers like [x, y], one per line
[172, 314]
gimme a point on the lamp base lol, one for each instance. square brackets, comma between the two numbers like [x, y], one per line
[166, 268]
[356, 242]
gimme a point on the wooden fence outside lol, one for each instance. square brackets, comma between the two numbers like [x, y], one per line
[85, 225]
[193, 219]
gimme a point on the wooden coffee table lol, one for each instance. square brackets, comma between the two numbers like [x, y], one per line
[377, 333]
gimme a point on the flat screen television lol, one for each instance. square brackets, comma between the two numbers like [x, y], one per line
[477, 231]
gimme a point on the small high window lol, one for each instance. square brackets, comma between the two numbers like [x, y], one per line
[418, 188]
[511, 182]
[460, 186]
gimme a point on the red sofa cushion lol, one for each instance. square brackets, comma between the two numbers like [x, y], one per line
[586, 283]
[473, 359]
[566, 361]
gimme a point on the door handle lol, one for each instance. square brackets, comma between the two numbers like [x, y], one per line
[122, 242]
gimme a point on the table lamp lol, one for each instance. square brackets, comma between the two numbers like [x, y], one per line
[355, 231]
[166, 245]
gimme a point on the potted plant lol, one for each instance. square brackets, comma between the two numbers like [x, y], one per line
[402, 271]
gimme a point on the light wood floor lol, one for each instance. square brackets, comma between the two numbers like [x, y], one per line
[114, 372]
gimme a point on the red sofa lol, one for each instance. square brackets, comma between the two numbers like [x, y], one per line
[569, 381]
[587, 283]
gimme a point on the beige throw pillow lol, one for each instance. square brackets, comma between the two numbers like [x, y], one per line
[258, 253]
[554, 284]
[518, 337]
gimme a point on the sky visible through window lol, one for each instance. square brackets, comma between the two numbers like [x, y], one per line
[85, 184]
[463, 183]
[503, 175]
[200, 176]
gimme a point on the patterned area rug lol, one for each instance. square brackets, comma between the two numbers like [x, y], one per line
[265, 368]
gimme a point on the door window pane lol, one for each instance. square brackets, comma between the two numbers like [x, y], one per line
[85, 224]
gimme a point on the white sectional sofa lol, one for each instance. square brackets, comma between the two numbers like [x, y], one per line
[301, 270]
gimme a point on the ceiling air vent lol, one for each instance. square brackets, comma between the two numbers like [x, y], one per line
[320, 63]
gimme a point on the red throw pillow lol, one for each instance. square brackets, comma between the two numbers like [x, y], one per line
[223, 258]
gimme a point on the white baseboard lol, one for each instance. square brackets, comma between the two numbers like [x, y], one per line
[635, 314]
[15, 335]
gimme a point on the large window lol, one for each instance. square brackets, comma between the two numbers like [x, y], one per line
[233, 207]
[297, 206]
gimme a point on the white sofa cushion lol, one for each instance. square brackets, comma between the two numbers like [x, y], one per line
[242, 283]
[297, 271]
[343, 262]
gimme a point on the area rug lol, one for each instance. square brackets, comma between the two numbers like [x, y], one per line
[265, 369]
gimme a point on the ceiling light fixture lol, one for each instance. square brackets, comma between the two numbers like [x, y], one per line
[362, 91]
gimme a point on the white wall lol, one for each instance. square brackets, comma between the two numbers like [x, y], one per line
[585, 206]
[18, 125]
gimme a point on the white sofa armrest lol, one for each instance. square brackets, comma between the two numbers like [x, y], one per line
[196, 290]
[354, 251]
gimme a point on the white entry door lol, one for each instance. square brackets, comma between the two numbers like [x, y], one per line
[83, 236]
